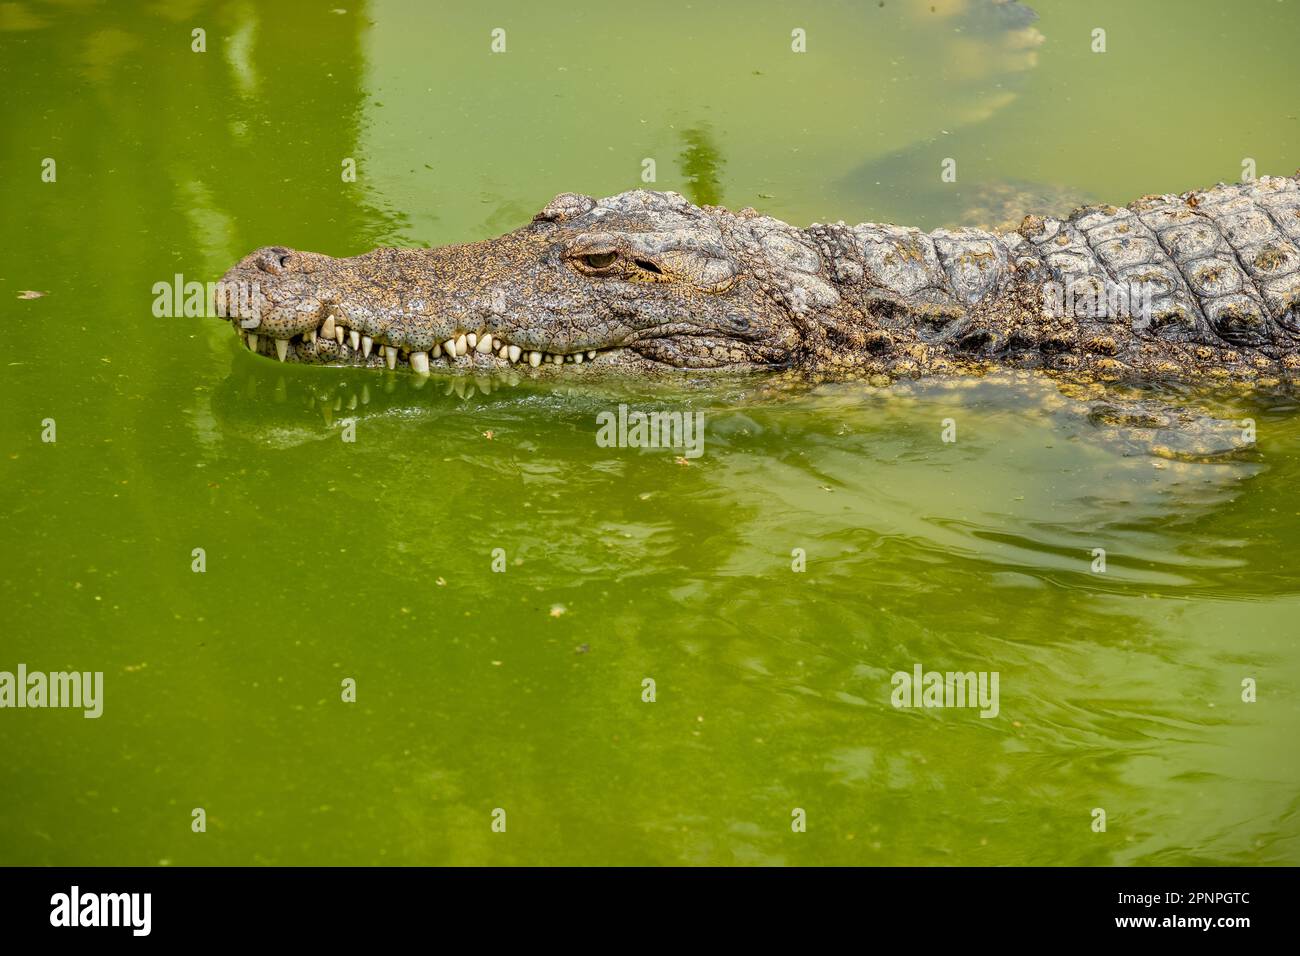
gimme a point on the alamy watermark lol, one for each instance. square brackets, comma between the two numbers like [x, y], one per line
[76, 908]
[632, 428]
[1094, 298]
[72, 689]
[209, 300]
[922, 688]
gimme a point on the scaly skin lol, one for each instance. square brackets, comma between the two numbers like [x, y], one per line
[645, 282]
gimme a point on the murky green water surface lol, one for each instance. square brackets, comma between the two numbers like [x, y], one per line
[522, 690]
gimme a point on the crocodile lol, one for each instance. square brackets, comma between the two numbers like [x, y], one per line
[1204, 285]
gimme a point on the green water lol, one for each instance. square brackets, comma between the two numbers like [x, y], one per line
[522, 689]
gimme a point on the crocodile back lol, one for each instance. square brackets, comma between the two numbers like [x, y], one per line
[1223, 263]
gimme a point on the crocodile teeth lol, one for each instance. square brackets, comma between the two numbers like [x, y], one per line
[483, 343]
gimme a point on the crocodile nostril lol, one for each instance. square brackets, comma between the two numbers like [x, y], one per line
[275, 260]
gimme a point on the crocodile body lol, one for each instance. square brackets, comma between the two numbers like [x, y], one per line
[1203, 285]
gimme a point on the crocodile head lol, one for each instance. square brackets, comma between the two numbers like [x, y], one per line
[642, 281]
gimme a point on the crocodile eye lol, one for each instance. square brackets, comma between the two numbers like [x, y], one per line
[600, 260]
